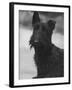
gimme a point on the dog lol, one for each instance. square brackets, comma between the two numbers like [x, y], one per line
[49, 59]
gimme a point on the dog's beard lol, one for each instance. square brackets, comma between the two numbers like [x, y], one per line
[38, 47]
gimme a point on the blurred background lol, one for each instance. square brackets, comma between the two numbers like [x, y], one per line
[27, 68]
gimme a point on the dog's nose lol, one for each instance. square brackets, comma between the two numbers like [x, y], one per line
[36, 41]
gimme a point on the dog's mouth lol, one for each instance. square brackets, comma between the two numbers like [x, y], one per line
[36, 44]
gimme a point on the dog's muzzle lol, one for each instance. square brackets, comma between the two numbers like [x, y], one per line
[35, 43]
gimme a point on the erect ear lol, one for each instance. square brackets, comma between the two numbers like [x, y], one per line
[35, 18]
[51, 24]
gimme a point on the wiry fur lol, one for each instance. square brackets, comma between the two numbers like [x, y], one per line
[49, 59]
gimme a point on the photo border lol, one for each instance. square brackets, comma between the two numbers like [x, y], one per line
[11, 42]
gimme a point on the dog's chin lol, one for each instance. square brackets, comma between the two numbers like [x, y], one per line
[37, 46]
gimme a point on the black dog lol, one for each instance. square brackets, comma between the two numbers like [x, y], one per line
[49, 59]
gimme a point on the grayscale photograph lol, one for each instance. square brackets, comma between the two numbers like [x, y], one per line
[41, 44]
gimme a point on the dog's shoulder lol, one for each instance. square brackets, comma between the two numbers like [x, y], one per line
[57, 51]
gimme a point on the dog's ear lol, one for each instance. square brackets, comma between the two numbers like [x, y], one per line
[35, 18]
[51, 24]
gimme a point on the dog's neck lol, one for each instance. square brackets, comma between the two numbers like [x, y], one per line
[43, 51]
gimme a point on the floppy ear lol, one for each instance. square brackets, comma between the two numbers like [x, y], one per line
[35, 18]
[51, 24]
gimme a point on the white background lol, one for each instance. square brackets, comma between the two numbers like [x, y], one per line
[4, 44]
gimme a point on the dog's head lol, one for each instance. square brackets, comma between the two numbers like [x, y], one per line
[42, 32]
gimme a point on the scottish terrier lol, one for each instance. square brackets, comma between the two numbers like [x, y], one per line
[49, 59]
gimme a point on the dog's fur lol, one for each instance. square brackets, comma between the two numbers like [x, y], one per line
[49, 59]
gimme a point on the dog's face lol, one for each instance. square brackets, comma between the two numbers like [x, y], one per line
[42, 32]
